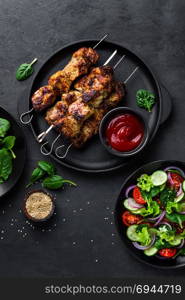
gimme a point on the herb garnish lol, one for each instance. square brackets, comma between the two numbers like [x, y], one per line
[145, 99]
[25, 70]
[46, 173]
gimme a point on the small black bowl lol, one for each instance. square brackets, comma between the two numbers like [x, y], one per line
[103, 126]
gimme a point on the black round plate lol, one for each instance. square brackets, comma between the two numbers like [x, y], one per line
[93, 157]
[152, 261]
[20, 152]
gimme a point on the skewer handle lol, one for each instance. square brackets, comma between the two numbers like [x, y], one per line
[66, 152]
[23, 115]
[131, 75]
[43, 134]
[43, 150]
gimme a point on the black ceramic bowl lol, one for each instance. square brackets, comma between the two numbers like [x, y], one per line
[50, 213]
[103, 126]
[153, 261]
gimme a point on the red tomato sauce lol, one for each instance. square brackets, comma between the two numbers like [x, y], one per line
[125, 132]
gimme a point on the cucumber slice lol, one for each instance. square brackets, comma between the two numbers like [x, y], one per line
[132, 234]
[179, 198]
[151, 251]
[177, 240]
[128, 206]
[183, 185]
[159, 178]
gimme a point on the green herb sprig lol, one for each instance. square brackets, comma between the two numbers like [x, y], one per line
[145, 99]
[25, 70]
[45, 172]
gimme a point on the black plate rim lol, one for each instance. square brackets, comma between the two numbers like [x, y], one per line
[147, 67]
[171, 162]
[25, 150]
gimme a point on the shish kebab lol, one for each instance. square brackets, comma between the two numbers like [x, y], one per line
[102, 78]
[71, 128]
[61, 81]
[91, 125]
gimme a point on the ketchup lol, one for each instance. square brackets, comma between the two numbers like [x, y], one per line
[125, 132]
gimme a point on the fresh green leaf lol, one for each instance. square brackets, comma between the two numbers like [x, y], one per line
[9, 142]
[167, 195]
[25, 70]
[47, 167]
[145, 99]
[36, 175]
[4, 127]
[5, 164]
[176, 218]
[55, 182]
[143, 235]
[172, 206]
[144, 182]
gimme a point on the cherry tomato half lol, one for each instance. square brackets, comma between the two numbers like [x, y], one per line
[177, 180]
[168, 252]
[130, 219]
[137, 196]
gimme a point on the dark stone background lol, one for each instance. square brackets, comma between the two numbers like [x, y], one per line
[29, 29]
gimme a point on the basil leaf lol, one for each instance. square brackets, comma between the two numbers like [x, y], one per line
[9, 142]
[4, 127]
[53, 183]
[5, 164]
[25, 70]
[36, 175]
[47, 167]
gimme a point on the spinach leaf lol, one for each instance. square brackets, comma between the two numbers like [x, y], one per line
[176, 218]
[167, 195]
[4, 127]
[5, 164]
[47, 167]
[25, 70]
[55, 182]
[9, 142]
[36, 175]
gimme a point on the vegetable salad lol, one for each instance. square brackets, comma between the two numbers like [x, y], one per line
[155, 213]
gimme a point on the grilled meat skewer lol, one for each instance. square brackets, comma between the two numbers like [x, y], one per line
[61, 81]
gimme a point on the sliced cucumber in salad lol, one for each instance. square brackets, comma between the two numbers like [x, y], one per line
[179, 198]
[158, 178]
[177, 241]
[131, 204]
[183, 185]
[132, 234]
[151, 251]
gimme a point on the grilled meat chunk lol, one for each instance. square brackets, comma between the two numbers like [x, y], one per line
[79, 65]
[55, 114]
[43, 97]
[97, 85]
[91, 125]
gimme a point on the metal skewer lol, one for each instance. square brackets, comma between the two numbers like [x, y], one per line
[27, 113]
[68, 148]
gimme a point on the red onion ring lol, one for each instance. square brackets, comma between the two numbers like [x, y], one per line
[180, 191]
[170, 178]
[154, 219]
[134, 204]
[129, 189]
[139, 247]
[160, 218]
[181, 212]
[175, 168]
[181, 245]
